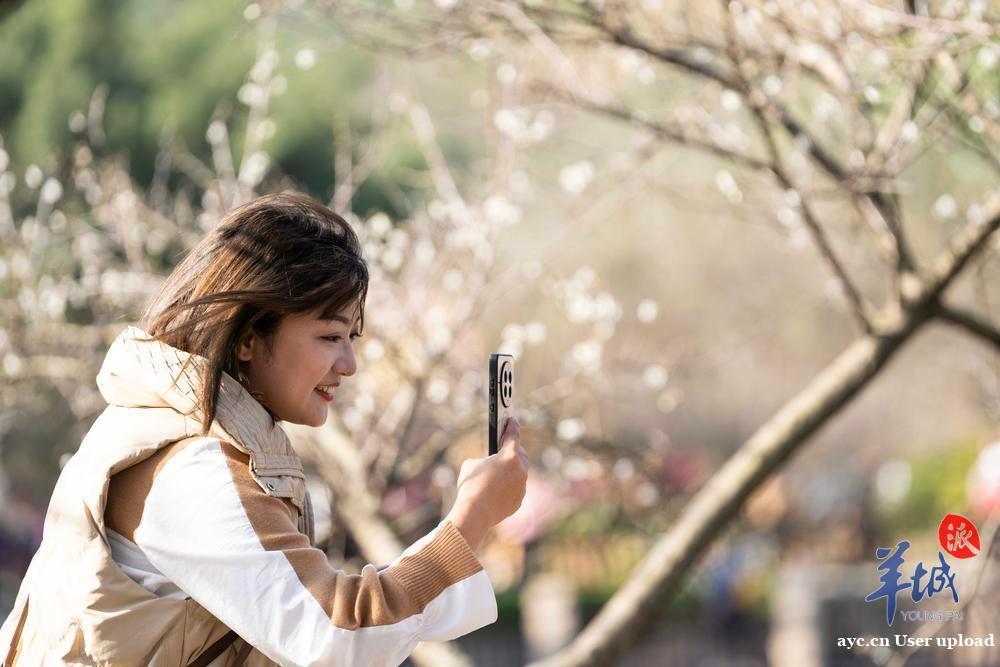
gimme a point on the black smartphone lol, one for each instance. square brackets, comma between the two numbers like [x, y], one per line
[501, 396]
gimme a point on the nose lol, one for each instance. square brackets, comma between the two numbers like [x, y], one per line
[346, 364]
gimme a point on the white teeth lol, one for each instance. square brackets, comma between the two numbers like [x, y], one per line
[328, 388]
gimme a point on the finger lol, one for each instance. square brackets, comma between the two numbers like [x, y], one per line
[511, 439]
[524, 455]
[510, 424]
[511, 432]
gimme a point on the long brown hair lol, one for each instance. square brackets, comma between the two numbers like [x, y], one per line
[274, 256]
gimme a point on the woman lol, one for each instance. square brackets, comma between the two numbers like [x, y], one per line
[180, 532]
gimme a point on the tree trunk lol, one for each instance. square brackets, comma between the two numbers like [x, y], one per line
[658, 575]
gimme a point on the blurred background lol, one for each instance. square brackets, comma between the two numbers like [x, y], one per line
[700, 228]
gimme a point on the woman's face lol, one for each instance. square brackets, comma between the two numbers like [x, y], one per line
[307, 352]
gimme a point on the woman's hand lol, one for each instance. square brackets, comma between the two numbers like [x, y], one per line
[490, 489]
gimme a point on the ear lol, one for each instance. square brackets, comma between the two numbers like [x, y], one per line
[244, 351]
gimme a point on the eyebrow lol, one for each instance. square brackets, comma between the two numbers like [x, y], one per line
[338, 318]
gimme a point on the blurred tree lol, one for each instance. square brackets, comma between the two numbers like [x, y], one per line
[829, 127]
[158, 72]
[816, 115]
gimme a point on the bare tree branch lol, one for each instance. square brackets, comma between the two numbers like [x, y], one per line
[677, 134]
[971, 322]
[882, 203]
[660, 573]
[816, 230]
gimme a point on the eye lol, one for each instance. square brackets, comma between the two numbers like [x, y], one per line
[336, 339]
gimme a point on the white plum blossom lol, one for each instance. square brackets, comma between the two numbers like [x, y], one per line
[789, 217]
[975, 214]
[77, 121]
[251, 95]
[987, 56]
[501, 211]
[654, 376]
[570, 429]
[509, 122]
[392, 259]
[512, 346]
[255, 167]
[438, 390]
[51, 191]
[33, 176]
[512, 332]
[552, 457]
[647, 311]
[826, 107]
[856, 158]
[534, 332]
[586, 355]
[452, 280]
[443, 476]
[945, 207]
[575, 178]
[374, 350]
[541, 127]
[506, 73]
[893, 480]
[731, 100]
[646, 495]
[623, 469]
[398, 103]
[379, 225]
[216, 132]
[305, 58]
[480, 49]
[352, 419]
[726, 184]
[12, 364]
[772, 85]
[424, 251]
[364, 402]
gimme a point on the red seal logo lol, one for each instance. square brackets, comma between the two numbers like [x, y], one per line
[958, 536]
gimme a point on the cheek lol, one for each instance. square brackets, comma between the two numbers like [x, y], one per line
[315, 361]
[296, 368]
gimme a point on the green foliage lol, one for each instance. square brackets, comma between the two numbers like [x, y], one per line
[938, 487]
[591, 520]
[163, 64]
[169, 69]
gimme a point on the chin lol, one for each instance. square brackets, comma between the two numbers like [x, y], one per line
[317, 421]
[308, 420]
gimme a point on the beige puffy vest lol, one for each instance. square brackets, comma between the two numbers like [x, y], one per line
[75, 605]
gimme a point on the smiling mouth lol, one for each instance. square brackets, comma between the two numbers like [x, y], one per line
[327, 395]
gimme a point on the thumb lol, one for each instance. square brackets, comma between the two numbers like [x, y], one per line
[511, 433]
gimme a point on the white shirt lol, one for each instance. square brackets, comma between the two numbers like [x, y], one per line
[209, 532]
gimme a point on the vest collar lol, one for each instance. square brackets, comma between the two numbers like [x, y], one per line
[140, 374]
